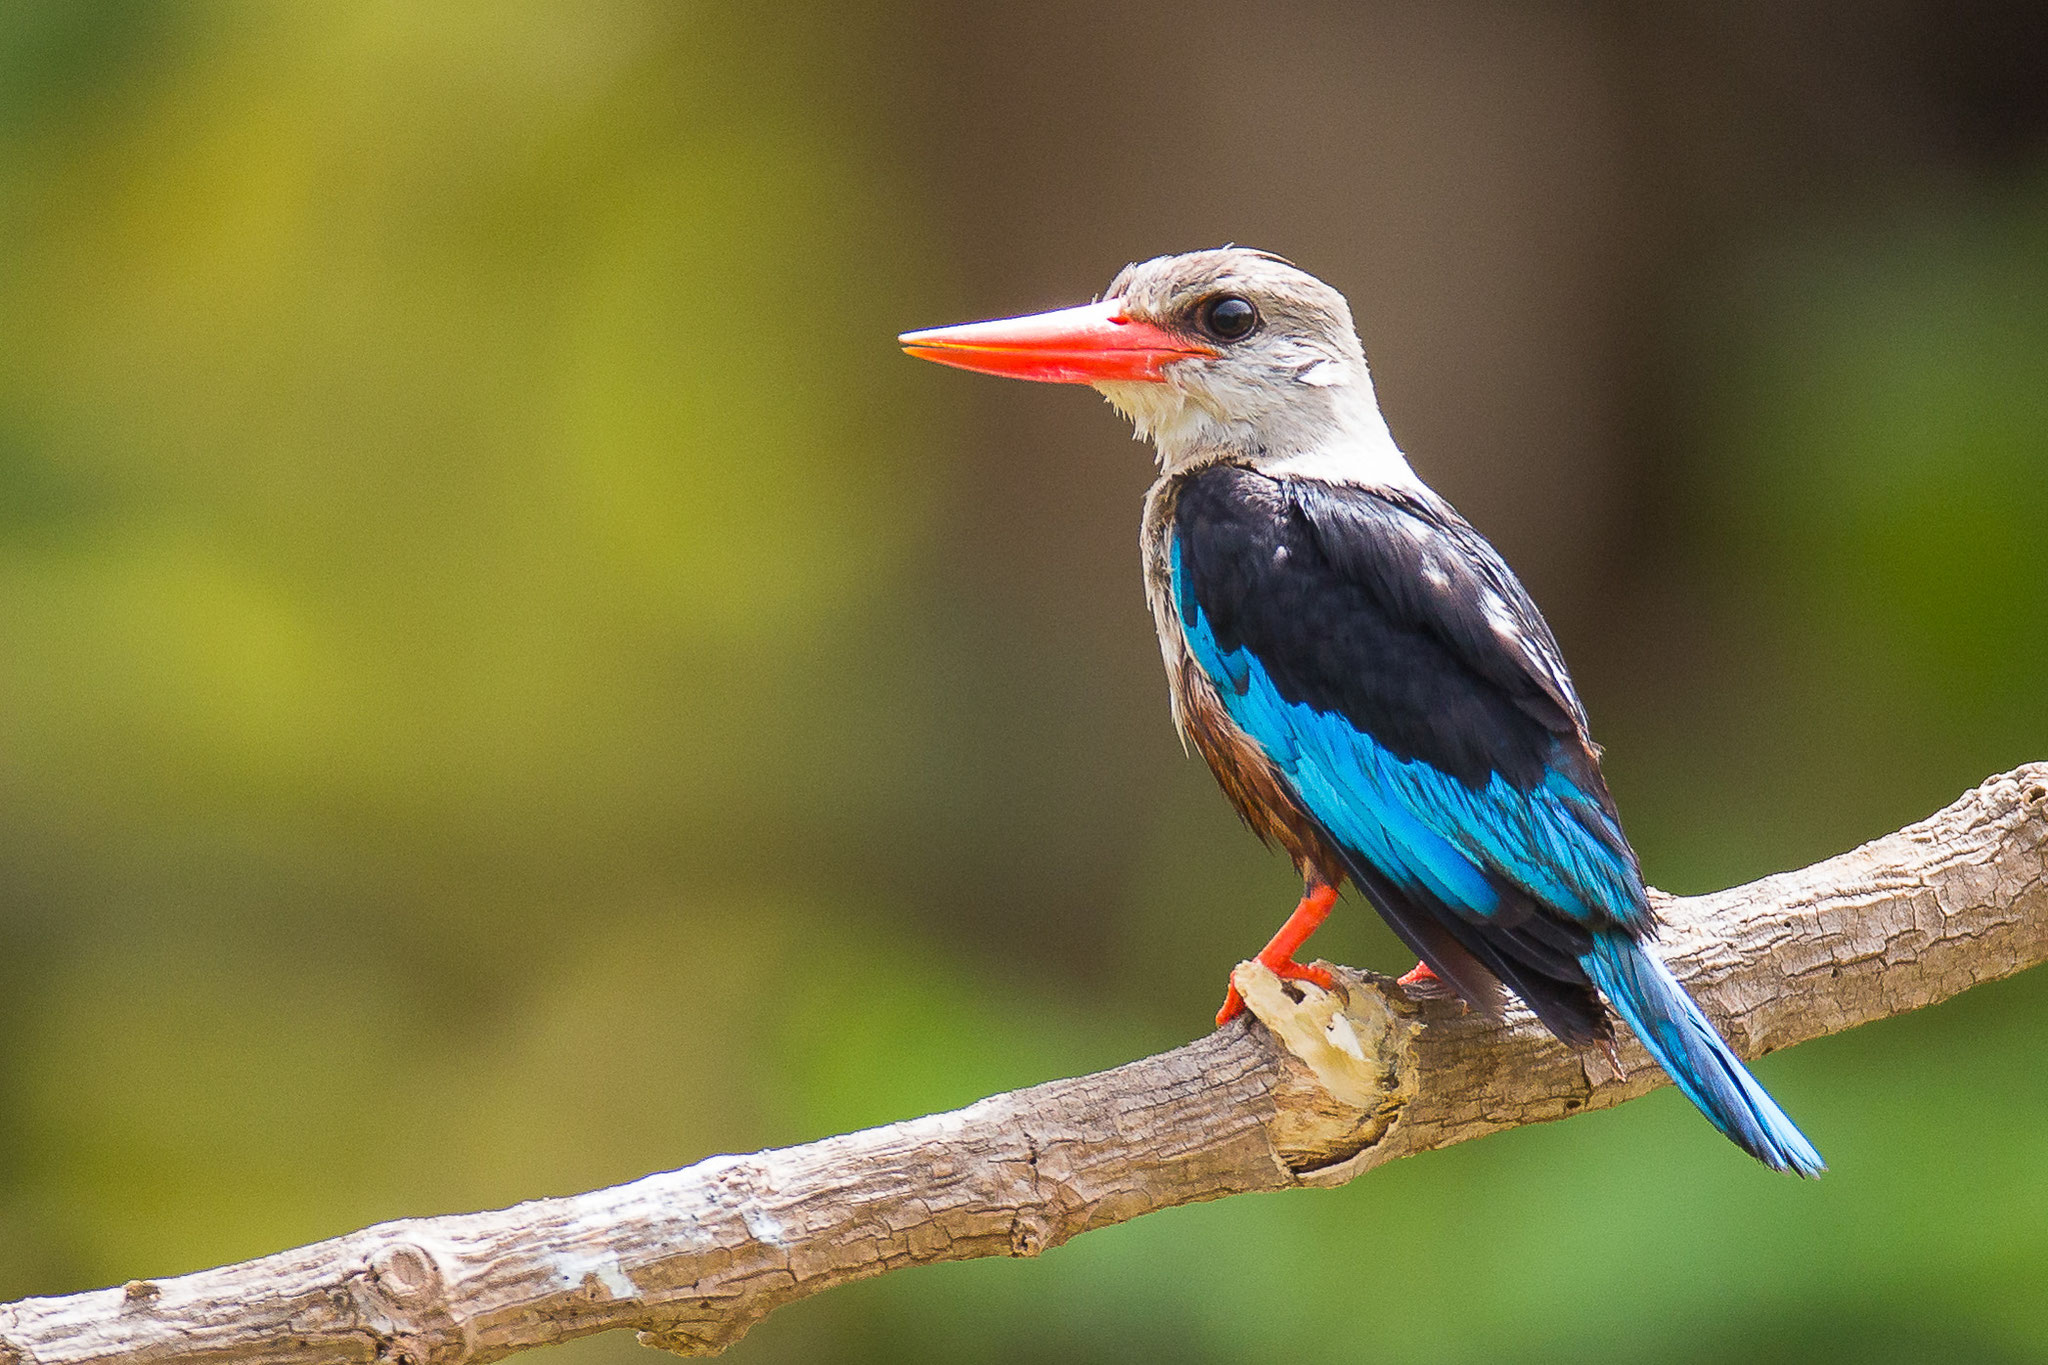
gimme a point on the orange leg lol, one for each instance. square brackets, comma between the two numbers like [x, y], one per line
[1421, 976]
[1278, 955]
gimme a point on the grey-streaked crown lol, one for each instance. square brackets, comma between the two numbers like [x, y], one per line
[1293, 305]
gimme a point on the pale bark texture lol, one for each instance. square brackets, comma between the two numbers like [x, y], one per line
[1320, 1088]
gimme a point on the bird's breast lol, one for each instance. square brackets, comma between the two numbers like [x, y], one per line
[1254, 785]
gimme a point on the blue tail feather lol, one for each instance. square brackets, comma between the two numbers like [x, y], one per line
[1646, 995]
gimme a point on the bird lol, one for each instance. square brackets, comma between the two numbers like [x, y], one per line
[1372, 686]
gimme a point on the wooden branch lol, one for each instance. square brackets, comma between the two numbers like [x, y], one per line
[1325, 1086]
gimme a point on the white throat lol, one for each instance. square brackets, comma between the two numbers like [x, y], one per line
[1326, 427]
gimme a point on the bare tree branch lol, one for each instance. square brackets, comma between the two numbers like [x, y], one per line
[1324, 1086]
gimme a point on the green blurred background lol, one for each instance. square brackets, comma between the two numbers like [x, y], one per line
[509, 681]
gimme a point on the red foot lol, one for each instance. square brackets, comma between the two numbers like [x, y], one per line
[1421, 976]
[1291, 970]
[1278, 956]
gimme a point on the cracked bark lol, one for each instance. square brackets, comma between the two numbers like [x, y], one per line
[1321, 1088]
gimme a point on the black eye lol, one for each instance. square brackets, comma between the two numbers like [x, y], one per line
[1229, 318]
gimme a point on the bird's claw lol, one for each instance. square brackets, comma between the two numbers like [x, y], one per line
[1287, 969]
[1278, 955]
[1233, 1005]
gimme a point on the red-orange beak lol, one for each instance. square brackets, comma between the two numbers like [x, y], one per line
[1084, 345]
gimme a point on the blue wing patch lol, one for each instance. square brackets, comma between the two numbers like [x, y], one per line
[1419, 826]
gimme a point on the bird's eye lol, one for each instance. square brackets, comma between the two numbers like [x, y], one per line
[1229, 318]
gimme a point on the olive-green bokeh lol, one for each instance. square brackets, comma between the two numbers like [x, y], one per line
[509, 682]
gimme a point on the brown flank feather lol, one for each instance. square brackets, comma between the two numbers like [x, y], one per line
[1250, 782]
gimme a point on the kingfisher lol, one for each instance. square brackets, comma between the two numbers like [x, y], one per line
[1370, 683]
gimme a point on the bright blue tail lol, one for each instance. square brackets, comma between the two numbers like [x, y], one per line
[1643, 991]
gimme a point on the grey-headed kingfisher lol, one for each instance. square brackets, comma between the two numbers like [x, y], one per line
[1370, 682]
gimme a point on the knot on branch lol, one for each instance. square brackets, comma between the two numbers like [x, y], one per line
[400, 1297]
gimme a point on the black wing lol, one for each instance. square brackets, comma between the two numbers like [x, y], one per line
[1393, 668]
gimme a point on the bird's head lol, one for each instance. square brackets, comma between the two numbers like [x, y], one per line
[1227, 353]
